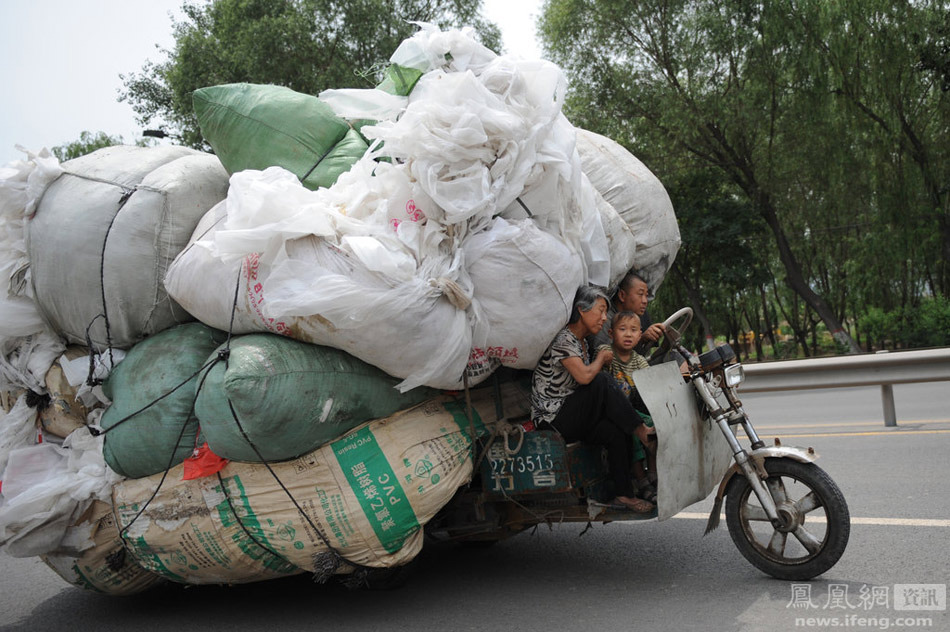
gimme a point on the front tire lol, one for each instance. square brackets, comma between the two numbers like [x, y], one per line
[803, 493]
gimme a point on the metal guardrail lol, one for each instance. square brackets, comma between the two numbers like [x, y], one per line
[882, 368]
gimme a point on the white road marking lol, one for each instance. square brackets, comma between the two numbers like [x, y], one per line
[832, 424]
[884, 522]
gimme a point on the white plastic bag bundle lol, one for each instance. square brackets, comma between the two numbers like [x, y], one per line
[638, 197]
[358, 296]
[17, 429]
[111, 224]
[479, 132]
[27, 347]
[402, 262]
[46, 488]
[524, 280]
[621, 242]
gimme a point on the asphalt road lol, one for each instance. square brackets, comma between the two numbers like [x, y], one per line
[620, 576]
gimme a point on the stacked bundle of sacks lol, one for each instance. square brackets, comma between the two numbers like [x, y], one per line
[345, 258]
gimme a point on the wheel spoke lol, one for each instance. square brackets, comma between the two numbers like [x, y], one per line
[808, 502]
[754, 512]
[777, 544]
[777, 489]
[808, 541]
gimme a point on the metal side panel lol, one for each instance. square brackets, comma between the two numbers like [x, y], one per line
[692, 454]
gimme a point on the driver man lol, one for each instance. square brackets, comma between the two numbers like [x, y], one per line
[632, 295]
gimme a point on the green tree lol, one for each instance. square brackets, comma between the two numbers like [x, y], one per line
[828, 117]
[719, 260]
[305, 45]
[88, 143]
[887, 62]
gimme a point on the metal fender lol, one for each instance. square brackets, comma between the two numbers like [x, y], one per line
[758, 457]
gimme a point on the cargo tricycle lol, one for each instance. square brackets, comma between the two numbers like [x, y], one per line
[784, 513]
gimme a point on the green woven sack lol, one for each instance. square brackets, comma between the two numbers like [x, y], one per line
[253, 126]
[145, 443]
[291, 397]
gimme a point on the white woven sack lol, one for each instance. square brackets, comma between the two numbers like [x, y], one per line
[318, 293]
[115, 219]
[524, 280]
[638, 197]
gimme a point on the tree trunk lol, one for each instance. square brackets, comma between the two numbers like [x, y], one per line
[697, 304]
[796, 280]
[756, 338]
[769, 325]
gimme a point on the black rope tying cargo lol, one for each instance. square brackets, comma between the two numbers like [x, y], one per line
[90, 379]
[525, 207]
[237, 518]
[325, 563]
[171, 460]
[96, 432]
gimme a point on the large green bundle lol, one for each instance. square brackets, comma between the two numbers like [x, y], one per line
[291, 397]
[258, 126]
[144, 444]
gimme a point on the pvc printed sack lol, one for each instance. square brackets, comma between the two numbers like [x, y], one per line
[638, 197]
[258, 126]
[151, 421]
[365, 499]
[101, 564]
[290, 397]
[105, 232]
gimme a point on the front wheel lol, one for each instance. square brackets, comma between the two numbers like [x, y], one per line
[814, 514]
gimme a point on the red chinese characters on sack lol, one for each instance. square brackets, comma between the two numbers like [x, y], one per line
[255, 295]
[414, 215]
[505, 355]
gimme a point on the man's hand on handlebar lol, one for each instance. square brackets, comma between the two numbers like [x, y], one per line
[654, 332]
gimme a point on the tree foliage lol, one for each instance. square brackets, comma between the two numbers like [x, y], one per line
[305, 45]
[829, 120]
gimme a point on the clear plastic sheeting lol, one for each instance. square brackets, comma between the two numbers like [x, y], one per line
[45, 490]
[17, 430]
[27, 347]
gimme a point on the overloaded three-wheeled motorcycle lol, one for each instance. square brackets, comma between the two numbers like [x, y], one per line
[784, 513]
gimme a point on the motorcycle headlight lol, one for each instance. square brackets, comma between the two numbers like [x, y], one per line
[735, 375]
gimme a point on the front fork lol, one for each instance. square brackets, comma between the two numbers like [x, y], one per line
[735, 414]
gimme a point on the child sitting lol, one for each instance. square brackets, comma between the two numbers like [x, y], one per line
[625, 334]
